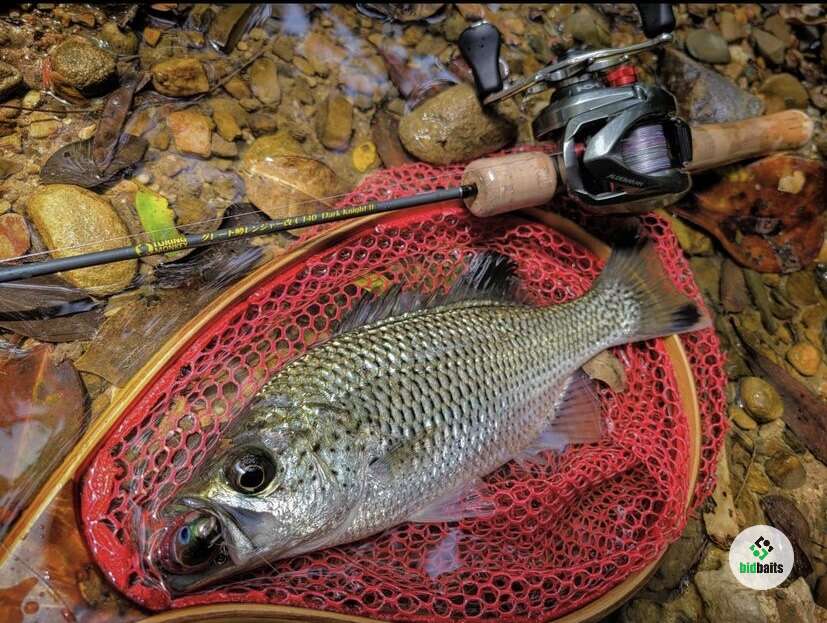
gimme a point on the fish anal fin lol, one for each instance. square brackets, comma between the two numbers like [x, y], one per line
[577, 419]
[577, 414]
[471, 501]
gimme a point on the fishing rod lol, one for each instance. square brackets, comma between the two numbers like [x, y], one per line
[620, 147]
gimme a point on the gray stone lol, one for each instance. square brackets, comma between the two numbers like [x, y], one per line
[726, 600]
[679, 558]
[708, 47]
[704, 95]
[590, 27]
[770, 46]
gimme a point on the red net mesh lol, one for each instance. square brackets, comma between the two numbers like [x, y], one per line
[563, 533]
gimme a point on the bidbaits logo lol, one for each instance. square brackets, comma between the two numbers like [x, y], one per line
[761, 557]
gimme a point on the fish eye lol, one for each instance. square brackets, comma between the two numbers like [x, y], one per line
[250, 472]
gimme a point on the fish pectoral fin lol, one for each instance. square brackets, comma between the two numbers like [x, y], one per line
[577, 419]
[471, 501]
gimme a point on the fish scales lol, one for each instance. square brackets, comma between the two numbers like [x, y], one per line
[384, 423]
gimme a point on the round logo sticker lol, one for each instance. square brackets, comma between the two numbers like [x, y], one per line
[761, 557]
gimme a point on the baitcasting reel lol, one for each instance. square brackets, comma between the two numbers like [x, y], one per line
[621, 143]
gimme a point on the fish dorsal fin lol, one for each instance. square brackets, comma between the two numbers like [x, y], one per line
[577, 419]
[470, 501]
[485, 276]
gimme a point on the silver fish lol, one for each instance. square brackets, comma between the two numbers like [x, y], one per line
[399, 419]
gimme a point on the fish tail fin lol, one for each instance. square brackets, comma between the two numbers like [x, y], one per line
[650, 305]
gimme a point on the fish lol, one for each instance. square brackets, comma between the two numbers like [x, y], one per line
[400, 414]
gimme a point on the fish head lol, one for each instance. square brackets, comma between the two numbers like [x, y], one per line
[270, 491]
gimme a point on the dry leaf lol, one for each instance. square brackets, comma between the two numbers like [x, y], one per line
[607, 368]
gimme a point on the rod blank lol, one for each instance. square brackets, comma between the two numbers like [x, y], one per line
[189, 241]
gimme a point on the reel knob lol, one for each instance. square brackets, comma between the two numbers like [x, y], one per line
[480, 47]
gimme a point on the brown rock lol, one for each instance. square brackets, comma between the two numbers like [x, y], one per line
[72, 220]
[263, 123]
[785, 470]
[82, 65]
[453, 127]
[222, 148]
[179, 77]
[800, 289]
[734, 294]
[151, 36]
[264, 81]
[741, 418]
[226, 125]
[784, 91]
[191, 132]
[770, 46]
[761, 400]
[14, 235]
[731, 28]
[805, 358]
[335, 122]
[238, 88]
[318, 47]
[120, 42]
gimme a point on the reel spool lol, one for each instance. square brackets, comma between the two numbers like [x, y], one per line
[622, 146]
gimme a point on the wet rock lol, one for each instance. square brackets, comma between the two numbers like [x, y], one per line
[152, 36]
[760, 399]
[707, 271]
[453, 127]
[590, 27]
[364, 156]
[708, 47]
[692, 240]
[777, 25]
[284, 47]
[726, 599]
[785, 470]
[83, 66]
[741, 418]
[795, 603]
[334, 121]
[704, 95]
[770, 46]
[14, 236]
[734, 293]
[805, 358]
[120, 42]
[731, 28]
[264, 81]
[191, 132]
[784, 91]
[720, 522]
[223, 148]
[821, 591]
[679, 558]
[43, 129]
[238, 88]
[179, 77]
[686, 607]
[282, 180]
[10, 79]
[72, 220]
[226, 125]
[263, 123]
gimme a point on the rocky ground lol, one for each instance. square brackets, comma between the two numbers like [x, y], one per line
[220, 104]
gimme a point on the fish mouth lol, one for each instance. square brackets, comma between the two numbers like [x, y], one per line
[229, 550]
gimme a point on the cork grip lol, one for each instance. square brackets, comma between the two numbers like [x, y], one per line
[512, 182]
[721, 143]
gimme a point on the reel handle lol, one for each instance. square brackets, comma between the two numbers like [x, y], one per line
[530, 179]
[717, 144]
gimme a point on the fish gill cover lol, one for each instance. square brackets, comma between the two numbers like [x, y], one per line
[563, 533]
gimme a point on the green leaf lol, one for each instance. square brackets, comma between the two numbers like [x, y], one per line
[157, 218]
